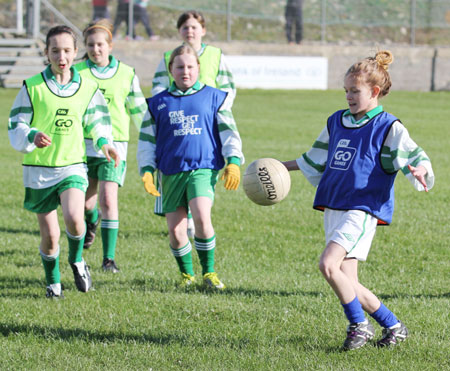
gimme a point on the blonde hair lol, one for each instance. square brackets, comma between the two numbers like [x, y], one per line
[374, 71]
[183, 49]
[100, 25]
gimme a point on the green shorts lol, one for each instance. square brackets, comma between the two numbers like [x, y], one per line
[44, 200]
[99, 168]
[179, 189]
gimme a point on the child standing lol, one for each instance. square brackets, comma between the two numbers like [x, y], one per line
[122, 92]
[191, 134]
[44, 125]
[191, 26]
[354, 162]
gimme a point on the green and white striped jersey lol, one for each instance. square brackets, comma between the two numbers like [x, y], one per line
[398, 152]
[229, 136]
[134, 103]
[224, 78]
[96, 119]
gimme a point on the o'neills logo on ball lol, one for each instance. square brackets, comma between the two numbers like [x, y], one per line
[265, 180]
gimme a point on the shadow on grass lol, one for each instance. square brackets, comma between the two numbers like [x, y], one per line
[53, 334]
[76, 334]
[139, 233]
[66, 334]
[415, 296]
[154, 284]
[10, 252]
[14, 283]
[170, 286]
[19, 287]
[20, 231]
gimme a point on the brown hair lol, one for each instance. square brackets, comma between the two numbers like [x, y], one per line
[100, 25]
[191, 14]
[374, 71]
[57, 30]
[182, 49]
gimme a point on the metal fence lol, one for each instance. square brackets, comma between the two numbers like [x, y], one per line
[324, 21]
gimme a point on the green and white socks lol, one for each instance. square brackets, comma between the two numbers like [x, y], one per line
[109, 231]
[51, 267]
[183, 257]
[205, 249]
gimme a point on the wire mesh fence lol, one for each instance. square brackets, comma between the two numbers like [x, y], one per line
[421, 22]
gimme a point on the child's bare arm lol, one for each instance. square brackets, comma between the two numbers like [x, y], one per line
[291, 165]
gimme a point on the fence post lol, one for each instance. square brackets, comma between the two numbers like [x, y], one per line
[36, 20]
[413, 22]
[323, 22]
[228, 20]
[19, 16]
[130, 19]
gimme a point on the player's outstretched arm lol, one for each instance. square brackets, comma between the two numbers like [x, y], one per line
[291, 165]
[419, 173]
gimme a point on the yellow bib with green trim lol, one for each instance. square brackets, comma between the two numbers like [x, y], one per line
[209, 65]
[115, 90]
[62, 119]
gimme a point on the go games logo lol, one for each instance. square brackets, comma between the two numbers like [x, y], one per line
[62, 122]
[343, 155]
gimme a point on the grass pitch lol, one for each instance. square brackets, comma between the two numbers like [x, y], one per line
[278, 312]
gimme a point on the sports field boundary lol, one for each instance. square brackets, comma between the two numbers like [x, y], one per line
[414, 68]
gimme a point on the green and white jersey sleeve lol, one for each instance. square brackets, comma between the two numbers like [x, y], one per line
[20, 133]
[146, 152]
[229, 135]
[97, 120]
[312, 163]
[136, 104]
[224, 79]
[161, 79]
[398, 152]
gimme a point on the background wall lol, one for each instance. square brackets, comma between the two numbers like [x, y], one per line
[412, 68]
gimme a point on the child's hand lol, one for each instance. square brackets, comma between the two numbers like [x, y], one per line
[419, 173]
[42, 140]
[232, 177]
[111, 153]
[149, 185]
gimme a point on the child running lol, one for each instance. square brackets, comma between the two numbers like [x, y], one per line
[191, 133]
[45, 126]
[191, 26]
[354, 162]
[120, 86]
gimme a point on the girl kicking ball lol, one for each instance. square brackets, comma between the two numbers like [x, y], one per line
[191, 133]
[191, 27]
[45, 126]
[354, 162]
[122, 92]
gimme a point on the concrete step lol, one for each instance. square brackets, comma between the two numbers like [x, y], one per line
[23, 60]
[13, 81]
[18, 69]
[16, 51]
[12, 85]
[17, 42]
